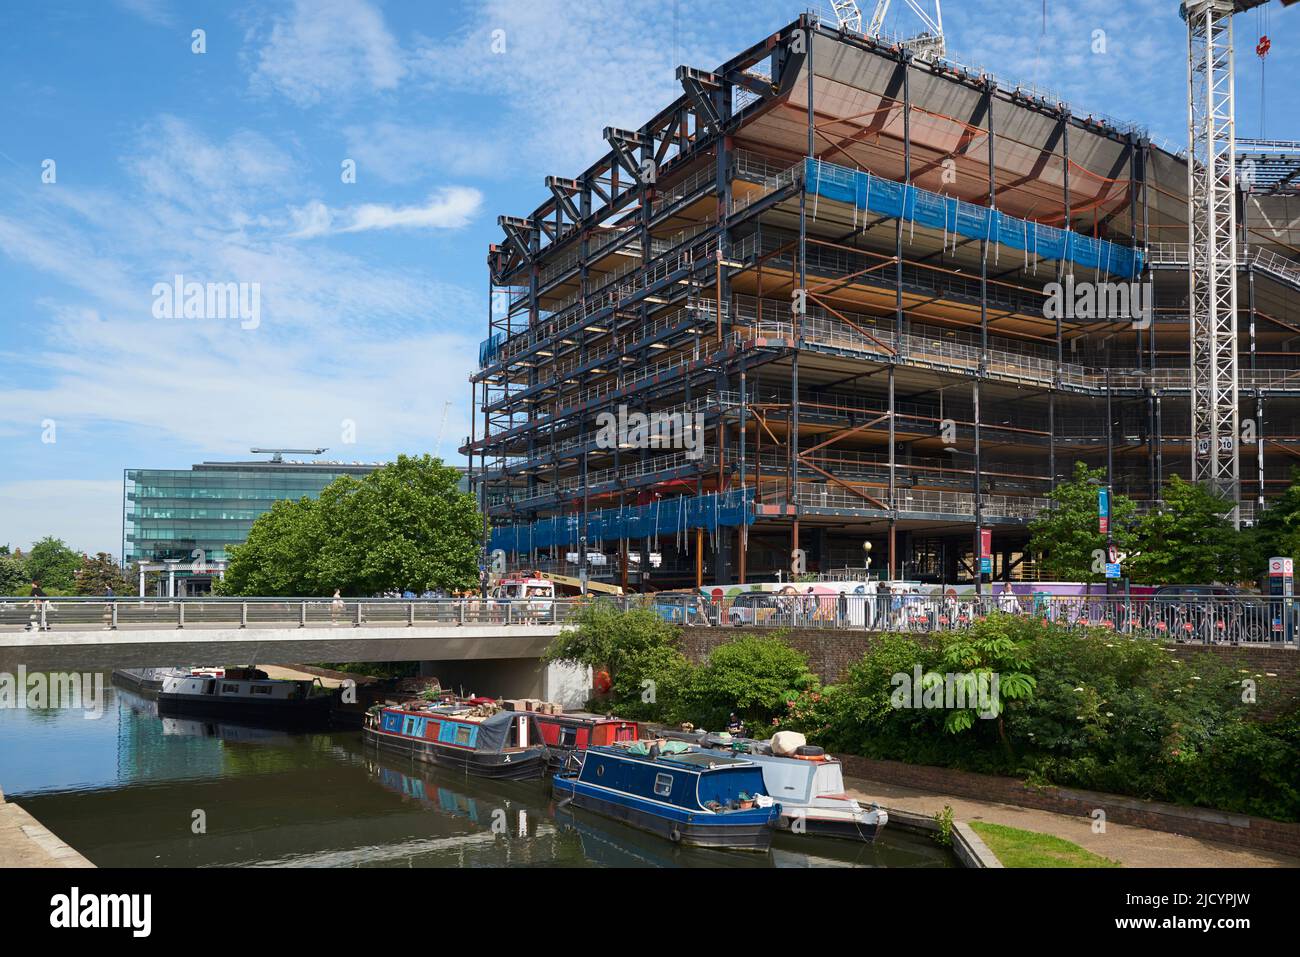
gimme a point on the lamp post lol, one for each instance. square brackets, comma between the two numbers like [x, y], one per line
[1110, 535]
[979, 516]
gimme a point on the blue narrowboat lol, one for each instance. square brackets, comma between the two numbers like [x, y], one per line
[505, 744]
[695, 797]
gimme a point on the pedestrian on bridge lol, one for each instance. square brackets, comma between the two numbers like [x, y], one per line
[337, 607]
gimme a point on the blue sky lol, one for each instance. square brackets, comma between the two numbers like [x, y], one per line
[225, 166]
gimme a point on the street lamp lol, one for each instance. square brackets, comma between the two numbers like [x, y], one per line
[979, 517]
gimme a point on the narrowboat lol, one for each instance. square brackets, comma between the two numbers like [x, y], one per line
[807, 781]
[579, 730]
[695, 797]
[478, 740]
[143, 681]
[245, 695]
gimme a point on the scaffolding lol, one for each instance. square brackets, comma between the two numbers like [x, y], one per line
[845, 265]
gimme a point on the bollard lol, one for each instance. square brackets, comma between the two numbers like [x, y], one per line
[410, 615]
[302, 616]
[461, 604]
[357, 622]
[243, 614]
[509, 612]
[112, 623]
[180, 614]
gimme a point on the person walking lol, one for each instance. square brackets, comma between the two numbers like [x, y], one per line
[337, 607]
[38, 598]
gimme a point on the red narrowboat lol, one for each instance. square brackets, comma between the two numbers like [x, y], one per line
[579, 730]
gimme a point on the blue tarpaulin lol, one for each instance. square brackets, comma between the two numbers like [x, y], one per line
[952, 215]
[663, 517]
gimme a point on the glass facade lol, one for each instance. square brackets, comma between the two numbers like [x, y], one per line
[168, 513]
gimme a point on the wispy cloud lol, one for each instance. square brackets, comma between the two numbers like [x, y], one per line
[328, 48]
[448, 208]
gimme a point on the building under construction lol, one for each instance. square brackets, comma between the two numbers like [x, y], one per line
[836, 259]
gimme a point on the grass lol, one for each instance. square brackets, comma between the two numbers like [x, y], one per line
[1017, 848]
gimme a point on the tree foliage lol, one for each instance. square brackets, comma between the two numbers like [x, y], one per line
[13, 575]
[53, 564]
[752, 676]
[1068, 536]
[1279, 526]
[406, 525]
[96, 575]
[1188, 540]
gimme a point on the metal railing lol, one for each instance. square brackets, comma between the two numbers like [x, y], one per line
[1249, 620]
[131, 613]
[1199, 620]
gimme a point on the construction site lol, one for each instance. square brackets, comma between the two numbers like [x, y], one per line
[847, 292]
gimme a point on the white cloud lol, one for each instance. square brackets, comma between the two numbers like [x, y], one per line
[326, 49]
[448, 208]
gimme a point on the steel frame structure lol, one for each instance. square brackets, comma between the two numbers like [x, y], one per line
[1212, 246]
[662, 279]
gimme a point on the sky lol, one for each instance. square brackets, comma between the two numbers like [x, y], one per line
[133, 152]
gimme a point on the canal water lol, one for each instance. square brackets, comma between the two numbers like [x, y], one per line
[131, 789]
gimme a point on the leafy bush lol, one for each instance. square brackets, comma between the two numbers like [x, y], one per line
[1096, 711]
[754, 677]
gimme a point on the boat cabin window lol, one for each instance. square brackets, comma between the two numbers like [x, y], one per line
[663, 785]
[230, 689]
[568, 737]
[463, 733]
[261, 689]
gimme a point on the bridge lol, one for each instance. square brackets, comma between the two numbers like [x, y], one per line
[473, 642]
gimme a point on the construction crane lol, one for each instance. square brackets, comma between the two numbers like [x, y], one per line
[927, 45]
[277, 455]
[1212, 245]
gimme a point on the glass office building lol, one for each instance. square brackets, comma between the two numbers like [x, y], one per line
[169, 513]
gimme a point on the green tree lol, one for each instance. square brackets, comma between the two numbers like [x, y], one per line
[53, 564]
[96, 575]
[648, 673]
[277, 557]
[406, 525]
[1279, 526]
[1189, 539]
[1067, 536]
[755, 677]
[13, 576]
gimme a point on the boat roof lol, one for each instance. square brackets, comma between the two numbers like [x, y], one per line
[702, 760]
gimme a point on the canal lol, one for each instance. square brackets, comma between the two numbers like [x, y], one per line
[131, 789]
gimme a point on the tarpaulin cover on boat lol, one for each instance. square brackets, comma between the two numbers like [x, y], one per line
[494, 732]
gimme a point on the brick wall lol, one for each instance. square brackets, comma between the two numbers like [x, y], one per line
[1204, 823]
[1283, 691]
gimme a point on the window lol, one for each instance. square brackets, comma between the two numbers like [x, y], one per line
[663, 785]
[464, 733]
[568, 737]
[229, 689]
[261, 689]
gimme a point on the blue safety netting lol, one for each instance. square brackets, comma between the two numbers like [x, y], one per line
[952, 215]
[487, 349]
[663, 517]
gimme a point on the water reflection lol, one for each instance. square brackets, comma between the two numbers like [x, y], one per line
[124, 790]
